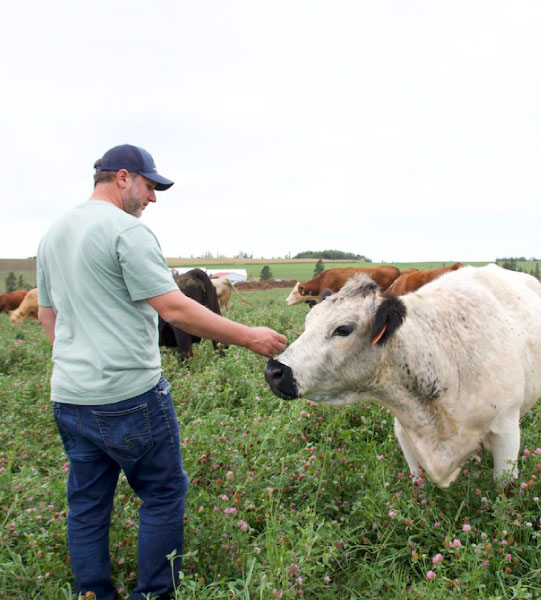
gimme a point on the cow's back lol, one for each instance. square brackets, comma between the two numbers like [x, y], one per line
[334, 279]
[384, 275]
[520, 296]
[412, 279]
[197, 285]
[27, 308]
[498, 324]
[11, 300]
[223, 287]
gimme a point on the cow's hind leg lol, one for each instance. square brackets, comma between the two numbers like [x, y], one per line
[504, 444]
[407, 450]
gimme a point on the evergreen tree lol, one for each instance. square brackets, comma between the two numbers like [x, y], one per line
[319, 267]
[266, 274]
[11, 282]
[20, 283]
[509, 263]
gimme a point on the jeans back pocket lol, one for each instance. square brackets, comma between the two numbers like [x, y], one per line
[127, 434]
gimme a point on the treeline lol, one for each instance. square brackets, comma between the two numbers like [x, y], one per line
[13, 283]
[511, 263]
[332, 255]
[516, 259]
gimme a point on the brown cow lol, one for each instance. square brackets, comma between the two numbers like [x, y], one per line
[27, 308]
[409, 282]
[334, 279]
[407, 271]
[11, 300]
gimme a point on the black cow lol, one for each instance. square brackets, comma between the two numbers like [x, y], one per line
[196, 285]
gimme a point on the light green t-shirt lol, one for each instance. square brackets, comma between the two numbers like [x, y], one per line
[96, 267]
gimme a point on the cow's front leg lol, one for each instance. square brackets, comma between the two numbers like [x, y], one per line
[504, 443]
[407, 450]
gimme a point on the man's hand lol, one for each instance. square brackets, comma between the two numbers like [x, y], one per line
[266, 341]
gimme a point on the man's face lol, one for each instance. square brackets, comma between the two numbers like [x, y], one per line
[138, 193]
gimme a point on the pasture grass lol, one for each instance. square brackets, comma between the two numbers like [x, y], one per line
[286, 500]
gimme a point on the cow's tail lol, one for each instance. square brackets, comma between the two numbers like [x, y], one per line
[240, 295]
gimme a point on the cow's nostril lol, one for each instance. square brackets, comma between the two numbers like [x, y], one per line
[273, 372]
[280, 379]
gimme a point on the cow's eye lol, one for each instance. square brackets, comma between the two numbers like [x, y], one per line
[343, 330]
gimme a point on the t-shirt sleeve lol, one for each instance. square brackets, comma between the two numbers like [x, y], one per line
[43, 287]
[143, 265]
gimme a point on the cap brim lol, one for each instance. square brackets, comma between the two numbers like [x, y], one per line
[162, 183]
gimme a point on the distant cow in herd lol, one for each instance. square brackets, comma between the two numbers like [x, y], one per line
[457, 363]
[197, 285]
[27, 308]
[11, 300]
[334, 279]
[409, 282]
[390, 279]
[224, 287]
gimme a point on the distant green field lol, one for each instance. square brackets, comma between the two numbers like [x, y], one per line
[299, 269]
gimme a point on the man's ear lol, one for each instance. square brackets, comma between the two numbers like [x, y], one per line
[121, 177]
[389, 316]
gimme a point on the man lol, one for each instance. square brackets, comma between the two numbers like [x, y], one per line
[102, 281]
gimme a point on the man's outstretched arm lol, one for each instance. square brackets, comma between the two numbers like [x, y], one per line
[194, 318]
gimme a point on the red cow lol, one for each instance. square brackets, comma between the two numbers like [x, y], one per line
[409, 282]
[334, 279]
[11, 300]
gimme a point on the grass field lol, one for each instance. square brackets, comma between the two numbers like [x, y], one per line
[287, 499]
[301, 270]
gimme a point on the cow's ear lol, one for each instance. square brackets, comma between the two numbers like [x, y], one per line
[326, 293]
[301, 289]
[389, 316]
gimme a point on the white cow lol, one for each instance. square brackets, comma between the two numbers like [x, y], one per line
[457, 363]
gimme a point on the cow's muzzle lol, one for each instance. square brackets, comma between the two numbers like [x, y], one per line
[281, 380]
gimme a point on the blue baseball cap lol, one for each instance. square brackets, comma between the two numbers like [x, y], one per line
[134, 160]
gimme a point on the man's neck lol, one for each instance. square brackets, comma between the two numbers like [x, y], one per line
[107, 193]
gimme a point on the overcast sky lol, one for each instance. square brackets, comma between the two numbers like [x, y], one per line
[403, 131]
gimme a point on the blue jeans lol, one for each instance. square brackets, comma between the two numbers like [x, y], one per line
[140, 436]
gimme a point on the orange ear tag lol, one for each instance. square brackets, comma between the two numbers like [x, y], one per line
[378, 337]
